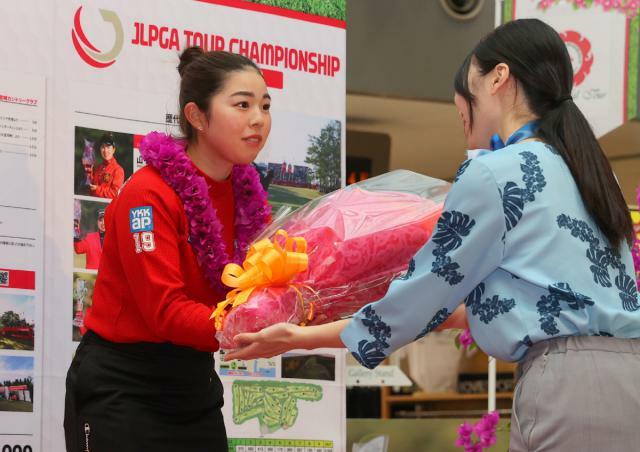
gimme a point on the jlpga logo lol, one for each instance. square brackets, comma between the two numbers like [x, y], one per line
[89, 53]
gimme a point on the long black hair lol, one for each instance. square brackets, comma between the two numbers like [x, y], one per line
[538, 60]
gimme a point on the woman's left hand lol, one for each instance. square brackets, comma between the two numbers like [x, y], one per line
[273, 340]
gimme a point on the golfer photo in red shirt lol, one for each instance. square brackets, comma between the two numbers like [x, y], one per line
[91, 244]
[108, 177]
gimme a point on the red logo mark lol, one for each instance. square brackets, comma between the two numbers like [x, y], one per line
[579, 49]
[89, 53]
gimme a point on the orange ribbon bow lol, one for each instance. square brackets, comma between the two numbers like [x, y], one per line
[267, 264]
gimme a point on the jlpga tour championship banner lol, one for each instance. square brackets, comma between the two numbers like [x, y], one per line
[103, 74]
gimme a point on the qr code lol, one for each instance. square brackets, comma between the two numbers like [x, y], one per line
[4, 278]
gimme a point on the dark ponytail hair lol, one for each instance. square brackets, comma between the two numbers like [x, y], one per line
[202, 76]
[538, 60]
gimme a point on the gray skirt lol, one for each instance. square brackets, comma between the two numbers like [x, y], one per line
[578, 393]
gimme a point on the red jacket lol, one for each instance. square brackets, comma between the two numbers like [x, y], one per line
[109, 177]
[92, 247]
[151, 288]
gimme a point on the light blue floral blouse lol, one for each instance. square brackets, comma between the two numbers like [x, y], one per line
[516, 243]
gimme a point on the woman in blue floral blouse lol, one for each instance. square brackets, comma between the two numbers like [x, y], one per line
[535, 238]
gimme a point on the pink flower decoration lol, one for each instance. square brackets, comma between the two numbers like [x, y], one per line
[465, 338]
[629, 7]
[464, 435]
[484, 430]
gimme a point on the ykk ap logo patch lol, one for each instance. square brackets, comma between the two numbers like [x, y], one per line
[141, 219]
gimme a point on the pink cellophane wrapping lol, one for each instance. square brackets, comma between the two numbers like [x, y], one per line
[358, 240]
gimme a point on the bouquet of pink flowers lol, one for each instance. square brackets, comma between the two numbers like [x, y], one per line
[332, 256]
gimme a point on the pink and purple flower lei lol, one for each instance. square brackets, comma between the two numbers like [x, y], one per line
[252, 212]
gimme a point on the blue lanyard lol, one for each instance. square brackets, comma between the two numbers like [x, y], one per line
[526, 131]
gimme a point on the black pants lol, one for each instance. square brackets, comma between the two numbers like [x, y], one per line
[142, 397]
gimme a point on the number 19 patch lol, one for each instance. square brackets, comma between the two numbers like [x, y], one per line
[141, 219]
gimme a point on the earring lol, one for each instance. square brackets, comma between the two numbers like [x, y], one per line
[200, 129]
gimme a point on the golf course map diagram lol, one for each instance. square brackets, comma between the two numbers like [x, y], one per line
[274, 403]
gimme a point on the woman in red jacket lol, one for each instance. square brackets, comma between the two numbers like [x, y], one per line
[91, 244]
[108, 177]
[143, 376]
